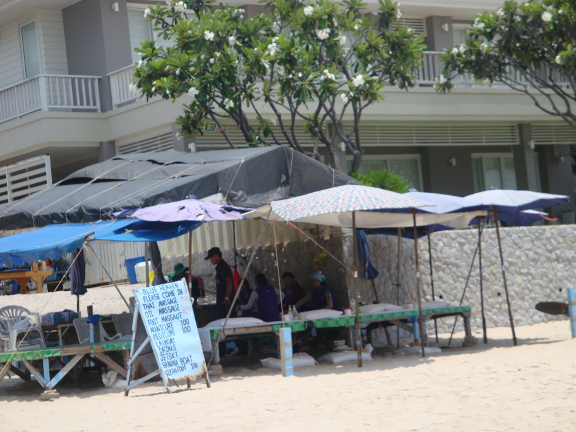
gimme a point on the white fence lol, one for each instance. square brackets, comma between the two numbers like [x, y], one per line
[120, 81]
[49, 92]
[113, 255]
[24, 178]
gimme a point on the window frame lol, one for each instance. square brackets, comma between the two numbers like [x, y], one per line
[22, 55]
[388, 158]
[501, 157]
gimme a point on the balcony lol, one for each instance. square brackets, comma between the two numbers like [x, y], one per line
[120, 81]
[49, 93]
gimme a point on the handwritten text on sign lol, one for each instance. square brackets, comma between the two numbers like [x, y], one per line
[169, 320]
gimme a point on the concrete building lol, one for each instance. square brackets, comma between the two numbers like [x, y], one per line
[65, 69]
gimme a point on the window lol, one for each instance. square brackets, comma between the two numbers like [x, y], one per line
[459, 33]
[493, 170]
[141, 31]
[406, 166]
[30, 51]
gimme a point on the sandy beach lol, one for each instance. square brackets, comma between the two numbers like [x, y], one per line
[494, 387]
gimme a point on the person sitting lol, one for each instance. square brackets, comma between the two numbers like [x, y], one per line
[292, 292]
[262, 302]
[320, 294]
[181, 272]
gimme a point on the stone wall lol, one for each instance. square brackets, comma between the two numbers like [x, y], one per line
[539, 263]
[296, 257]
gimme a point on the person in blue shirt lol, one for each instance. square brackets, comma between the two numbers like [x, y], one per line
[320, 294]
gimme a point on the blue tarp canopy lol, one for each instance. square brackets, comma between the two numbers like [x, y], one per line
[54, 241]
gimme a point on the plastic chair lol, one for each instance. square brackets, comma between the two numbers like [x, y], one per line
[82, 327]
[123, 323]
[9, 316]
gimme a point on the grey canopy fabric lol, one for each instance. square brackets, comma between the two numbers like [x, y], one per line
[249, 177]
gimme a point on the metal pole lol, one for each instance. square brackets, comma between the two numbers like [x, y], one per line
[234, 240]
[481, 284]
[504, 277]
[190, 263]
[432, 280]
[146, 257]
[398, 285]
[420, 320]
[355, 276]
[111, 278]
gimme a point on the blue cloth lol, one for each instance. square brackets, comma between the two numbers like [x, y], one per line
[93, 319]
[54, 241]
[368, 271]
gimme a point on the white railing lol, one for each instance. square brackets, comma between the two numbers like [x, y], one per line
[49, 92]
[120, 81]
[432, 67]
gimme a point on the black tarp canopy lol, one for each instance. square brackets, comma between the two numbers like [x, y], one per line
[249, 177]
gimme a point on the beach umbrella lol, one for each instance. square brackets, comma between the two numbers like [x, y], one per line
[78, 276]
[340, 206]
[509, 201]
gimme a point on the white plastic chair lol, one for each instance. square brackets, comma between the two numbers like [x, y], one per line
[9, 316]
[123, 323]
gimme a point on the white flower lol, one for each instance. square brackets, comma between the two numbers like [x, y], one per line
[441, 79]
[500, 12]
[329, 75]
[140, 62]
[483, 46]
[344, 97]
[560, 11]
[180, 7]
[193, 91]
[272, 48]
[558, 59]
[398, 14]
[212, 61]
[546, 17]
[239, 11]
[290, 76]
[228, 103]
[132, 87]
[358, 81]
[342, 40]
[308, 10]
[232, 40]
[323, 34]
[462, 48]
[517, 18]
[356, 27]
[208, 35]
[455, 50]
[299, 74]
[153, 89]
[147, 12]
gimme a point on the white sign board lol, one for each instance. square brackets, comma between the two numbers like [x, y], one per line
[168, 316]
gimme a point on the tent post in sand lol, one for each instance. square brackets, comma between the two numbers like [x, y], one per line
[432, 279]
[420, 319]
[504, 276]
[355, 276]
[481, 284]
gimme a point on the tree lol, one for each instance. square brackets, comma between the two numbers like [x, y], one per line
[530, 47]
[384, 180]
[299, 63]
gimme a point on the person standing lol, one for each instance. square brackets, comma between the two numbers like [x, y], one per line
[224, 282]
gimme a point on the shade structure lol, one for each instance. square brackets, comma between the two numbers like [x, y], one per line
[342, 200]
[513, 200]
[249, 177]
[442, 203]
[187, 210]
[56, 240]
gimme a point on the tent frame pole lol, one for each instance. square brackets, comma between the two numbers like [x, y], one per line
[190, 263]
[484, 332]
[110, 276]
[146, 258]
[420, 319]
[355, 276]
[504, 277]
[432, 279]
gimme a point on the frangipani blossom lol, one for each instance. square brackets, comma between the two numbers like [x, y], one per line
[208, 35]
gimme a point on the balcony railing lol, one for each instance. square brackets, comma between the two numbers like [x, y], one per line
[49, 93]
[120, 81]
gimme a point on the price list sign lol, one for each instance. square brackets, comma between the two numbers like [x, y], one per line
[168, 316]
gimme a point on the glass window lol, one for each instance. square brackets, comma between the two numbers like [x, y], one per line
[408, 170]
[494, 172]
[30, 50]
[369, 165]
[140, 31]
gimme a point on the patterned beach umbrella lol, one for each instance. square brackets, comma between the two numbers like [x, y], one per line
[343, 199]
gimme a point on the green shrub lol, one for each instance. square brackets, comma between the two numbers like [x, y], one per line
[384, 180]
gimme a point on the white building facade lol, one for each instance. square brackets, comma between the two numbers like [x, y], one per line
[65, 70]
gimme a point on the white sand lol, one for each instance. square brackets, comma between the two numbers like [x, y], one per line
[497, 387]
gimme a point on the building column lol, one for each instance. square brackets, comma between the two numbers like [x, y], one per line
[525, 160]
[556, 178]
[438, 33]
[184, 145]
[107, 150]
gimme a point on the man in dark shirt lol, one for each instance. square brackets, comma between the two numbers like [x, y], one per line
[224, 282]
